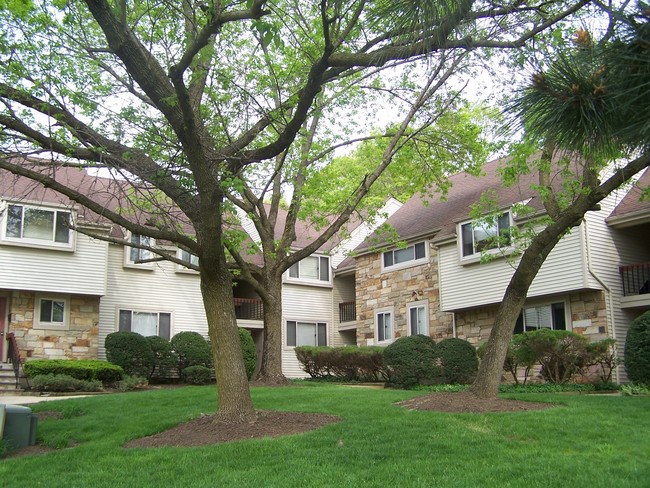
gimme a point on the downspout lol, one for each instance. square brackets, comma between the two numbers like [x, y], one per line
[453, 325]
[611, 330]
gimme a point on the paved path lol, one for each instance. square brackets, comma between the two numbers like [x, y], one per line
[28, 399]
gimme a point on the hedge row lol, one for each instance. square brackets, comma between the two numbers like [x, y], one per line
[349, 363]
[86, 370]
[156, 357]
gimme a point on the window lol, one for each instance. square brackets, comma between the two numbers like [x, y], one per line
[550, 316]
[37, 225]
[408, 256]
[312, 268]
[135, 255]
[418, 318]
[477, 237]
[189, 258]
[52, 312]
[146, 323]
[384, 324]
[306, 333]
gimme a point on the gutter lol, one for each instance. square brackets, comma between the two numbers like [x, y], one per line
[611, 331]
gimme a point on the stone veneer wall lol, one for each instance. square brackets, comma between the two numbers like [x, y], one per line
[376, 290]
[78, 341]
[587, 311]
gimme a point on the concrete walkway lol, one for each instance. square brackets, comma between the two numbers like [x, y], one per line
[29, 399]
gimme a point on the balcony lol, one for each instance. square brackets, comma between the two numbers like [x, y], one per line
[249, 309]
[636, 285]
[347, 312]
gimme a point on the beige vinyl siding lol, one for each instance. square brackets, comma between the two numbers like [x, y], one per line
[160, 289]
[303, 303]
[82, 271]
[477, 284]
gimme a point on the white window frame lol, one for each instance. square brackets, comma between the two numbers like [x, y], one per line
[56, 325]
[421, 304]
[128, 260]
[35, 242]
[476, 253]
[295, 269]
[120, 327]
[293, 337]
[547, 303]
[415, 261]
[187, 256]
[383, 312]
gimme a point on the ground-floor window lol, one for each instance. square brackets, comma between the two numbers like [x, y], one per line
[418, 318]
[384, 325]
[52, 311]
[146, 323]
[306, 333]
[548, 316]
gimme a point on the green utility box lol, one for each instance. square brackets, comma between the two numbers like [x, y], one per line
[19, 427]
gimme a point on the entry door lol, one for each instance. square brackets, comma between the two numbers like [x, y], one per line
[3, 317]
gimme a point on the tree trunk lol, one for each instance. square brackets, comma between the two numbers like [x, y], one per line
[271, 365]
[234, 404]
[488, 379]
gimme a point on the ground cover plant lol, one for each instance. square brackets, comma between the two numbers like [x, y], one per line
[375, 443]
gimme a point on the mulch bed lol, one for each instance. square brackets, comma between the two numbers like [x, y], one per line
[204, 430]
[463, 402]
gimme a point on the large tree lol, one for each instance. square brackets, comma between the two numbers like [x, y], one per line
[590, 106]
[220, 105]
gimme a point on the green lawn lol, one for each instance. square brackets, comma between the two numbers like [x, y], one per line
[587, 440]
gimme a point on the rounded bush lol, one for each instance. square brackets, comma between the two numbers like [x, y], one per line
[164, 359]
[458, 360]
[131, 351]
[191, 349]
[410, 361]
[637, 350]
[248, 351]
[197, 375]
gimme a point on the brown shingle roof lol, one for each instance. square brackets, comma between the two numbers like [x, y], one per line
[632, 203]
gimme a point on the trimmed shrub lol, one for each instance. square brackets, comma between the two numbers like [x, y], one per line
[562, 353]
[637, 350]
[348, 363]
[130, 383]
[191, 349]
[87, 369]
[63, 382]
[517, 357]
[410, 361]
[164, 359]
[131, 351]
[248, 351]
[603, 354]
[457, 359]
[197, 375]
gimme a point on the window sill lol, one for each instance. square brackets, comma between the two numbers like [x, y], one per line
[297, 281]
[38, 245]
[141, 267]
[406, 265]
[495, 254]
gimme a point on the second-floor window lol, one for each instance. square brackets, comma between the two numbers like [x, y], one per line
[410, 255]
[312, 268]
[134, 256]
[37, 225]
[482, 236]
[188, 258]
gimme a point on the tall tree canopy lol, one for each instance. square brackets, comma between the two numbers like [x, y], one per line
[221, 105]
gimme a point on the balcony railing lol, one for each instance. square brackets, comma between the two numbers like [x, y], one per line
[636, 279]
[249, 309]
[347, 311]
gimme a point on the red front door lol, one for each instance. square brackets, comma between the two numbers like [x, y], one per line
[3, 316]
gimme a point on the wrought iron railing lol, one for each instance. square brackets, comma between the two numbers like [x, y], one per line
[249, 308]
[13, 354]
[347, 311]
[636, 279]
